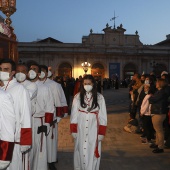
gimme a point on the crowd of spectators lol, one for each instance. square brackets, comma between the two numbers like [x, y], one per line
[149, 113]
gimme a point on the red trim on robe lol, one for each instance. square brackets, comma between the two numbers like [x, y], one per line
[26, 136]
[102, 130]
[65, 109]
[59, 111]
[96, 152]
[6, 150]
[49, 117]
[73, 128]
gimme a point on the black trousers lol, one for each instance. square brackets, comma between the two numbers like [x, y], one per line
[148, 127]
[132, 110]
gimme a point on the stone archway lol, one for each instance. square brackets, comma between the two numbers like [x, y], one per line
[65, 69]
[129, 70]
[98, 70]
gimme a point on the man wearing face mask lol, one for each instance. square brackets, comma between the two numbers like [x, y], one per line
[22, 107]
[21, 75]
[7, 129]
[42, 118]
[61, 110]
[50, 75]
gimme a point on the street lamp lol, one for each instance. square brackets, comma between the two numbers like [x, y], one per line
[85, 66]
[8, 7]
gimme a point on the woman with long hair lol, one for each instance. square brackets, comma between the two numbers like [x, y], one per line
[88, 125]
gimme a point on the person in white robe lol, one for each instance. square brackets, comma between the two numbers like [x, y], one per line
[42, 118]
[61, 108]
[21, 75]
[50, 74]
[7, 129]
[22, 107]
[88, 124]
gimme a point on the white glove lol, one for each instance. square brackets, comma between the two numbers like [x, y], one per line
[58, 119]
[65, 114]
[24, 148]
[100, 137]
[4, 164]
[74, 135]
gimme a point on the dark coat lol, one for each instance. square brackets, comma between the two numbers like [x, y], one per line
[159, 102]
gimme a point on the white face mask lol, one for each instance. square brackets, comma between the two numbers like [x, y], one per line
[42, 75]
[49, 73]
[20, 76]
[4, 76]
[146, 81]
[32, 74]
[88, 88]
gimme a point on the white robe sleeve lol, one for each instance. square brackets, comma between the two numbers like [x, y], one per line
[7, 128]
[49, 106]
[63, 101]
[102, 115]
[74, 114]
[57, 100]
[25, 118]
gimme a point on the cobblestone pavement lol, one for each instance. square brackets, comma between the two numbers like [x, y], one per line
[120, 150]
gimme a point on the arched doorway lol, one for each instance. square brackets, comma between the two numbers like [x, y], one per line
[65, 69]
[97, 70]
[129, 70]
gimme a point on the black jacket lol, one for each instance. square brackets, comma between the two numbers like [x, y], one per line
[159, 101]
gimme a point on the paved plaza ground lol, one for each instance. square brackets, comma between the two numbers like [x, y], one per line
[120, 150]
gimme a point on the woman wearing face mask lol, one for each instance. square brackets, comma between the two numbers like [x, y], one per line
[148, 130]
[88, 125]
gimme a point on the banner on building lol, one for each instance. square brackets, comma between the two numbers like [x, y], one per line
[114, 70]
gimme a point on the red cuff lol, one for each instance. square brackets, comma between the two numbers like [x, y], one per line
[73, 128]
[59, 111]
[49, 117]
[65, 109]
[26, 136]
[102, 130]
[6, 150]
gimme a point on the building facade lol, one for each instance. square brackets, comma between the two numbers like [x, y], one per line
[110, 53]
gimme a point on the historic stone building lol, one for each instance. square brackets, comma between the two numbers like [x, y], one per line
[110, 53]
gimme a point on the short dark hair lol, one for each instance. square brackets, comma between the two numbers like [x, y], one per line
[10, 61]
[23, 65]
[44, 67]
[35, 64]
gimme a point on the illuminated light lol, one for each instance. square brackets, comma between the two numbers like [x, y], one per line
[85, 66]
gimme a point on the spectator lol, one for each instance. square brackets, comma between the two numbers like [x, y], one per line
[148, 130]
[159, 109]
